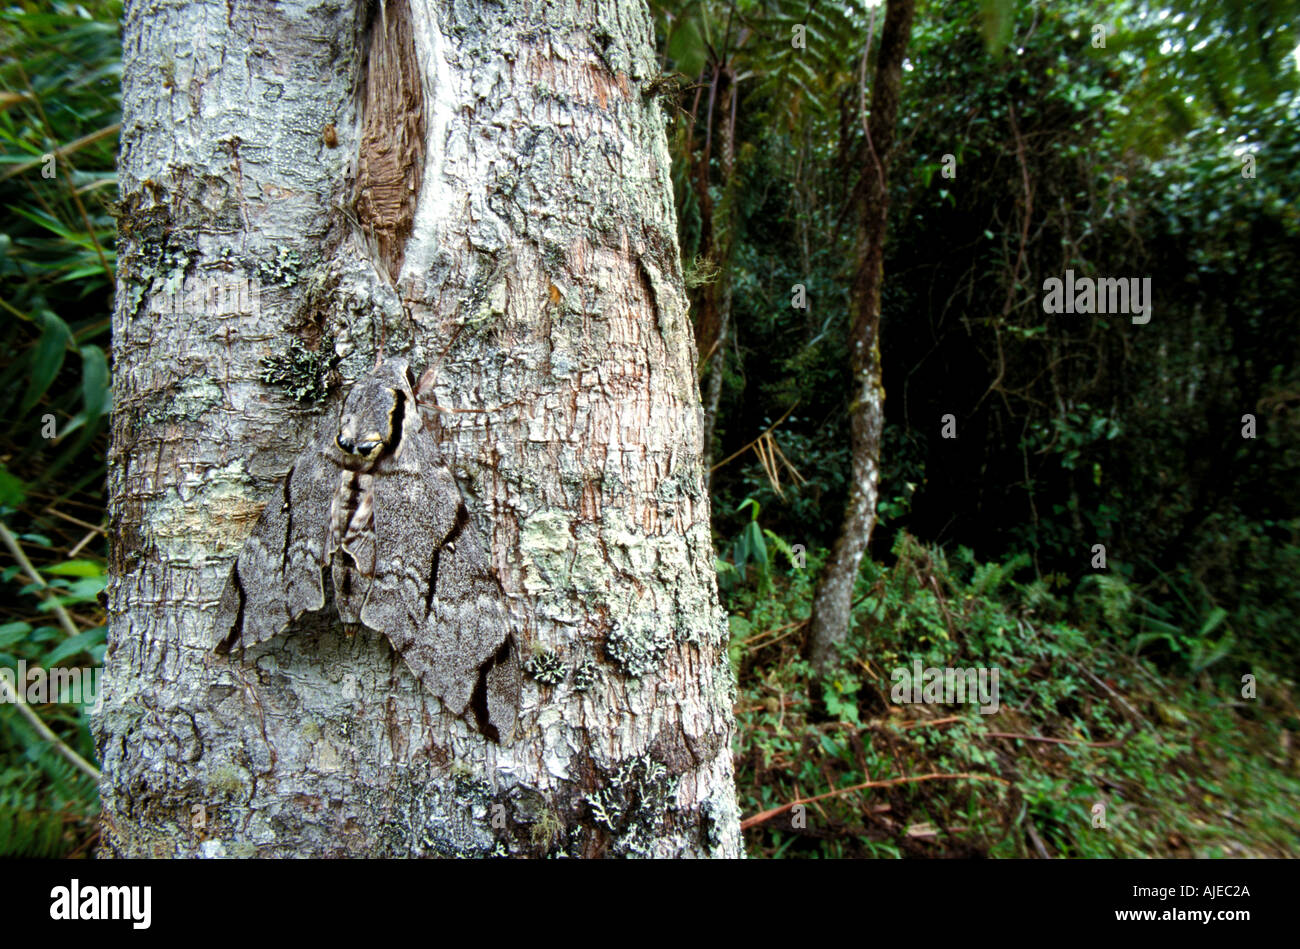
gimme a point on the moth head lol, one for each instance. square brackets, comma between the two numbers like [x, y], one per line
[373, 413]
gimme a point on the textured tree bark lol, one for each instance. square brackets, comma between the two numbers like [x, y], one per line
[481, 187]
[833, 599]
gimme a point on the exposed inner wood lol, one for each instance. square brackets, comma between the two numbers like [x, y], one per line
[391, 162]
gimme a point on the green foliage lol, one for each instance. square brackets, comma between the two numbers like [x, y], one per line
[60, 71]
[48, 807]
[1180, 769]
[1122, 160]
[750, 544]
[1074, 432]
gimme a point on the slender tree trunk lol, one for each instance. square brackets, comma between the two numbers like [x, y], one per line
[721, 223]
[832, 601]
[478, 186]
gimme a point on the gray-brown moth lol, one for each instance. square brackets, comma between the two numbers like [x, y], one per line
[372, 501]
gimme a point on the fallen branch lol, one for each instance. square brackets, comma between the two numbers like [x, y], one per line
[1038, 842]
[923, 722]
[1112, 693]
[1060, 741]
[757, 819]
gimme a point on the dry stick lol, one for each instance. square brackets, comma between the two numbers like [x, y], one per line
[11, 542]
[82, 543]
[770, 446]
[707, 356]
[737, 454]
[777, 452]
[1113, 694]
[1038, 842]
[74, 520]
[749, 822]
[771, 632]
[63, 152]
[71, 501]
[1060, 741]
[923, 722]
[774, 640]
[769, 465]
[7, 695]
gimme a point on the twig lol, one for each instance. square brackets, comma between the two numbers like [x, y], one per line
[1112, 693]
[1060, 741]
[737, 454]
[74, 520]
[749, 822]
[83, 542]
[923, 722]
[1038, 842]
[11, 542]
[7, 695]
[785, 630]
[63, 152]
[707, 356]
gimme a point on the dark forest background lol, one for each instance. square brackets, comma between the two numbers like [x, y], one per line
[1172, 152]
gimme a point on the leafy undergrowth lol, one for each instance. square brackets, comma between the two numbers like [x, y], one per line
[1181, 763]
[48, 806]
[60, 69]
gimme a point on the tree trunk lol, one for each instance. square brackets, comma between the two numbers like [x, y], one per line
[480, 187]
[833, 600]
[722, 227]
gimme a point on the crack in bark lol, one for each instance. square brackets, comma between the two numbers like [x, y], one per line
[288, 527]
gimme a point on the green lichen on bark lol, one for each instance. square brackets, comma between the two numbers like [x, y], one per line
[584, 676]
[638, 644]
[157, 265]
[282, 270]
[546, 668]
[634, 804]
[228, 782]
[604, 561]
[303, 373]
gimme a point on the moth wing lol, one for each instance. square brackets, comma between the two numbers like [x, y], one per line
[503, 692]
[312, 487]
[410, 520]
[277, 575]
[433, 594]
[466, 627]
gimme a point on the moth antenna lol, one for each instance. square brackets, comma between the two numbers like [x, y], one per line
[424, 386]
